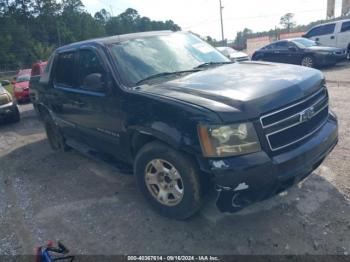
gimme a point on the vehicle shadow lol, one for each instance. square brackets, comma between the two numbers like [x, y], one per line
[95, 210]
[28, 125]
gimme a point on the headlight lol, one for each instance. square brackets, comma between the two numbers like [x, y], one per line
[324, 52]
[4, 99]
[18, 89]
[230, 140]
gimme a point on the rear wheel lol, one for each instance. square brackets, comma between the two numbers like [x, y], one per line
[348, 54]
[54, 134]
[308, 61]
[168, 180]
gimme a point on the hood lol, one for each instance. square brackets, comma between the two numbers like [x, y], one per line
[324, 48]
[23, 85]
[242, 91]
[238, 55]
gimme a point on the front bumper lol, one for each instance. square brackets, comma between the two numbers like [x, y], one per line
[241, 181]
[330, 59]
[7, 109]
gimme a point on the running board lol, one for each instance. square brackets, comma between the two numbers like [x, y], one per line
[97, 156]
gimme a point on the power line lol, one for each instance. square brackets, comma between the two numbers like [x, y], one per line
[206, 21]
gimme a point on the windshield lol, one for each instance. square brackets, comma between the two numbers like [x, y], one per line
[302, 42]
[23, 78]
[141, 58]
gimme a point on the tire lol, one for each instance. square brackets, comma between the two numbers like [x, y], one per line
[15, 116]
[54, 134]
[183, 180]
[308, 61]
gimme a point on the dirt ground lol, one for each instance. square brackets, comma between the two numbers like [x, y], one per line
[95, 210]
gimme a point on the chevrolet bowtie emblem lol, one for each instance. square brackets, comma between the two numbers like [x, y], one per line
[307, 114]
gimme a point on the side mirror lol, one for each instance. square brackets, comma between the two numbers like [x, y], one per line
[5, 82]
[304, 35]
[293, 49]
[13, 82]
[94, 82]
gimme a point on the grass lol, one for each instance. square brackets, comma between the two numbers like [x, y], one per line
[9, 88]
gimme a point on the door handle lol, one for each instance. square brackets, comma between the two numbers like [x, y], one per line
[78, 103]
[317, 39]
[332, 37]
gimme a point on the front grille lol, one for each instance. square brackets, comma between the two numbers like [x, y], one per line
[4, 99]
[293, 124]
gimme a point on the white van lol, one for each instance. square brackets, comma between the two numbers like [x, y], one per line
[336, 34]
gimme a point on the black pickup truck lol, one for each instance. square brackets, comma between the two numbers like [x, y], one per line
[186, 119]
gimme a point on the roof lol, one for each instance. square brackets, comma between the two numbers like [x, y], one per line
[331, 22]
[115, 39]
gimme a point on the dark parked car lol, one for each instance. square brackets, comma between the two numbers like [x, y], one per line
[300, 51]
[8, 107]
[185, 117]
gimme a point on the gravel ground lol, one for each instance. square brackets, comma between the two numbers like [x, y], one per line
[95, 210]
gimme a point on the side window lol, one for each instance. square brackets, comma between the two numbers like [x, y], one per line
[327, 29]
[282, 45]
[64, 70]
[270, 47]
[345, 27]
[89, 63]
[314, 32]
[322, 30]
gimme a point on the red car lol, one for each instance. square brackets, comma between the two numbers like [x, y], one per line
[38, 68]
[21, 85]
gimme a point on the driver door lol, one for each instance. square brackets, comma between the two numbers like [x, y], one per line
[96, 105]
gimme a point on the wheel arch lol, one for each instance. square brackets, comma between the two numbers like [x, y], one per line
[42, 110]
[140, 137]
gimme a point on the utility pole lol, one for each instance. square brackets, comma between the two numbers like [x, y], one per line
[222, 23]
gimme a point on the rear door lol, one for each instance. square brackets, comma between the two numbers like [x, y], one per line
[267, 53]
[63, 96]
[281, 52]
[343, 37]
[324, 35]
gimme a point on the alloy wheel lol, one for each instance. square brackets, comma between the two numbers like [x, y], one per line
[164, 182]
[307, 62]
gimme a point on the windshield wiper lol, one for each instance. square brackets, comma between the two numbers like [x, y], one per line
[207, 64]
[166, 74]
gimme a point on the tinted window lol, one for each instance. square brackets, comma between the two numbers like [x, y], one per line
[89, 63]
[269, 47]
[65, 74]
[281, 45]
[46, 74]
[345, 27]
[322, 30]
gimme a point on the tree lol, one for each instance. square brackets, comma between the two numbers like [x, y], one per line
[102, 16]
[241, 38]
[31, 29]
[287, 21]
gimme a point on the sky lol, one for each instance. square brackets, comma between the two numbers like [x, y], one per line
[203, 16]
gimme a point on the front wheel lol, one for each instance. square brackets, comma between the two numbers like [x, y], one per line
[169, 181]
[308, 61]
